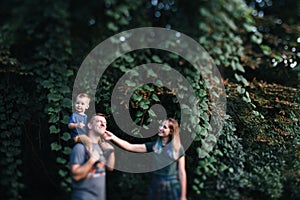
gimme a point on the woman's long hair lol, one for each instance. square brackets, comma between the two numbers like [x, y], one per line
[174, 144]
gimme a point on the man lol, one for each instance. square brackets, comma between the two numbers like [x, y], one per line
[88, 165]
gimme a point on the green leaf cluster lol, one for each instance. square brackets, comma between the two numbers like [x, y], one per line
[42, 45]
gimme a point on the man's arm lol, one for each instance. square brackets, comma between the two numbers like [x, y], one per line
[81, 171]
[109, 154]
[110, 162]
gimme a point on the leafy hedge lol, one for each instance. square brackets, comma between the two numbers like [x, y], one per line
[271, 143]
[42, 47]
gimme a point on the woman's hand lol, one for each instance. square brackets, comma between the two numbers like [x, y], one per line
[108, 135]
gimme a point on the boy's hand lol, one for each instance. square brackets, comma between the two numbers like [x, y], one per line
[80, 125]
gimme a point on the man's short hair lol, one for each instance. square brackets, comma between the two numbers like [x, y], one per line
[95, 115]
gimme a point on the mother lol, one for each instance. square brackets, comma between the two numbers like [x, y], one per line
[168, 183]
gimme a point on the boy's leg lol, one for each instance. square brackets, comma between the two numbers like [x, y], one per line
[84, 139]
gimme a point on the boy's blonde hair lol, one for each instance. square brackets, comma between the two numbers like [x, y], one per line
[83, 95]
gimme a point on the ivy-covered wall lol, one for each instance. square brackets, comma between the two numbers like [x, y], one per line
[43, 43]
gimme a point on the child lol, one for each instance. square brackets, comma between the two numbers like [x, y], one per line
[78, 120]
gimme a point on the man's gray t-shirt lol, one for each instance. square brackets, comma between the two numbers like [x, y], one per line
[93, 186]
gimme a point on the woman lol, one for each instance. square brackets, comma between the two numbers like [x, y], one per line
[168, 183]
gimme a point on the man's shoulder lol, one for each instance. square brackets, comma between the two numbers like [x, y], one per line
[79, 147]
[79, 154]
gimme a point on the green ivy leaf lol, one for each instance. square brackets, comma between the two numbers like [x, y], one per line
[65, 120]
[144, 105]
[266, 49]
[67, 150]
[202, 153]
[240, 90]
[137, 120]
[61, 160]
[148, 88]
[123, 21]
[278, 58]
[129, 58]
[53, 129]
[111, 26]
[240, 67]
[223, 167]
[52, 110]
[151, 113]
[217, 50]
[66, 136]
[156, 59]
[139, 114]
[256, 38]
[158, 83]
[249, 28]
[64, 89]
[151, 73]
[53, 97]
[246, 99]
[130, 83]
[62, 173]
[212, 138]
[47, 84]
[53, 119]
[155, 97]
[55, 146]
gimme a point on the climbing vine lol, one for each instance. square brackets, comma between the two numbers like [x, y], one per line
[13, 116]
[42, 45]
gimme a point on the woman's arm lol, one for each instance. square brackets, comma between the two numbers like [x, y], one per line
[182, 177]
[138, 148]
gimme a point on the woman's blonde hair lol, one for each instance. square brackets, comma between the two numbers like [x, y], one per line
[174, 143]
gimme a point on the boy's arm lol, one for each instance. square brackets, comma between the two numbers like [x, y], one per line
[76, 125]
[73, 123]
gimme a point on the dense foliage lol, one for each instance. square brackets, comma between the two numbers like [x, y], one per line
[43, 43]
